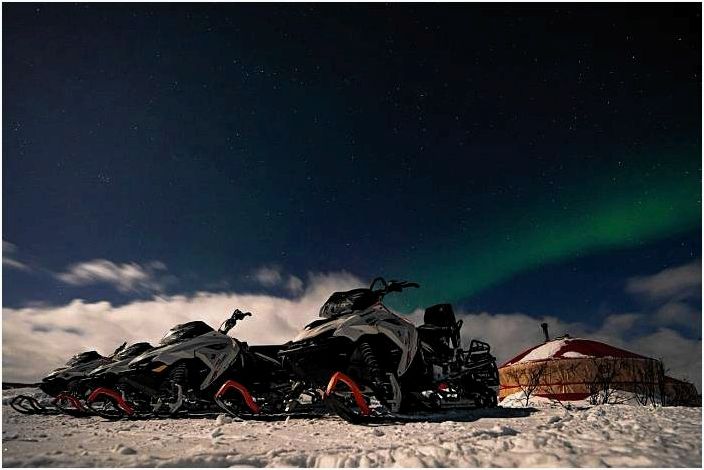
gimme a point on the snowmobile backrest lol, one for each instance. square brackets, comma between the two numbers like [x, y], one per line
[440, 315]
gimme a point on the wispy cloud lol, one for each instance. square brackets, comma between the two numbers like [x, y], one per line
[273, 276]
[125, 277]
[671, 283]
[678, 314]
[151, 277]
[294, 285]
[8, 257]
[673, 295]
[268, 276]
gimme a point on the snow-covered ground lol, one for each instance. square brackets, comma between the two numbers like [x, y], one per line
[548, 435]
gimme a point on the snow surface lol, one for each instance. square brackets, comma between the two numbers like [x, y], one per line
[563, 348]
[574, 354]
[544, 351]
[548, 435]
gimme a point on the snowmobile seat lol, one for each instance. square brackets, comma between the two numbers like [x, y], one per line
[440, 315]
[440, 330]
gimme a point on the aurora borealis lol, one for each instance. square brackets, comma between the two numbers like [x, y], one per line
[475, 149]
[631, 208]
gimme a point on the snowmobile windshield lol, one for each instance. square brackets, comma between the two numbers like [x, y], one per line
[84, 357]
[343, 303]
[132, 351]
[185, 331]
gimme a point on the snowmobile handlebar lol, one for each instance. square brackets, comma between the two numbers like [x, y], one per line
[119, 349]
[239, 314]
[232, 321]
[390, 286]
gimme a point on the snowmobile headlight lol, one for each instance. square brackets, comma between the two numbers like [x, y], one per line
[160, 368]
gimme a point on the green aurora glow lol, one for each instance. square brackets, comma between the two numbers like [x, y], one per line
[629, 209]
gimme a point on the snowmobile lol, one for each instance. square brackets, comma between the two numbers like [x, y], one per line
[83, 386]
[195, 370]
[67, 384]
[119, 365]
[390, 367]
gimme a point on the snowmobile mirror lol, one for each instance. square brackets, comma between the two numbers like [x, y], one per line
[239, 315]
[391, 286]
[398, 286]
[378, 279]
[230, 323]
[120, 348]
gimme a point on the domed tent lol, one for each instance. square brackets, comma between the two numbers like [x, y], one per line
[569, 369]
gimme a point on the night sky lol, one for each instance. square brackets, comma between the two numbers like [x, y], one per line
[509, 158]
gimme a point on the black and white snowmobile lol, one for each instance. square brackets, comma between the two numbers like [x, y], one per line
[119, 365]
[66, 385]
[195, 370]
[82, 388]
[389, 366]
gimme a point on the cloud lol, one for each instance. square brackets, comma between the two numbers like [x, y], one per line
[682, 356]
[8, 250]
[678, 313]
[39, 338]
[678, 282]
[619, 324]
[294, 285]
[125, 277]
[268, 276]
[273, 276]
[673, 296]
